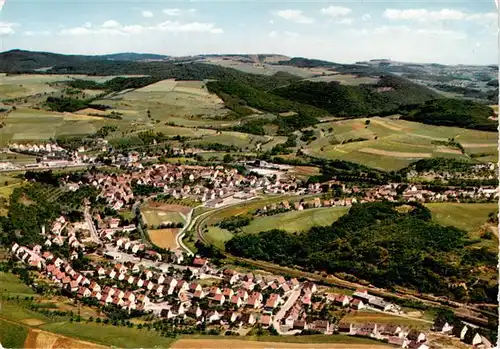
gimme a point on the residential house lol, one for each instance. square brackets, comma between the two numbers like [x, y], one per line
[473, 338]
[272, 302]
[459, 330]
[235, 300]
[380, 304]
[218, 299]
[417, 336]
[322, 326]
[254, 300]
[342, 300]
[194, 312]
[265, 321]
[345, 327]
[441, 325]
[213, 316]
[248, 319]
[357, 304]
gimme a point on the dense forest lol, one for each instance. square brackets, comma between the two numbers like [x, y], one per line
[439, 164]
[114, 85]
[452, 112]
[387, 244]
[238, 95]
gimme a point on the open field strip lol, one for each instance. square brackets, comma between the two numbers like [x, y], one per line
[468, 217]
[346, 79]
[367, 316]
[292, 342]
[160, 86]
[395, 153]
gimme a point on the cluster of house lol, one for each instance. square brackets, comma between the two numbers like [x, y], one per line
[107, 227]
[238, 300]
[79, 284]
[417, 193]
[62, 231]
[197, 183]
[478, 171]
[46, 148]
[392, 333]
[304, 204]
[466, 333]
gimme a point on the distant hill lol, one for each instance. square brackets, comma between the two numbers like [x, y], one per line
[132, 56]
[25, 61]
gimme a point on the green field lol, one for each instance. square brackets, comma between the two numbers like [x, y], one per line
[469, 217]
[11, 285]
[392, 144]
[122, 337]
[293, 221]
[12, 335]
[296, 221]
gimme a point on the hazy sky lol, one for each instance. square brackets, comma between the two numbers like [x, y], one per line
[448, 32]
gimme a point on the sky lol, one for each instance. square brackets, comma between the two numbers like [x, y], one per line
[446, 31]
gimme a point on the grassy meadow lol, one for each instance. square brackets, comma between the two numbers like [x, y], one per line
[472, 218]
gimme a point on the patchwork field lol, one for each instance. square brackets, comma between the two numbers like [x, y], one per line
[391, 144]
[26, 124]
[38, 339]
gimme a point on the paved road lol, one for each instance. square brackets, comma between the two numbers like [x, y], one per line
[90, 223]
[182, 233]
[294, 295]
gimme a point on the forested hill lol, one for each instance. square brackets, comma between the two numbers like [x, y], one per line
[385, 97]
[387, 244]
[453, 112]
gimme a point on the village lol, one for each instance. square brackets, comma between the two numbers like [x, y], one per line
[124, 271]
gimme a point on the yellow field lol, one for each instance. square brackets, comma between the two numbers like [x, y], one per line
[164, 238]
